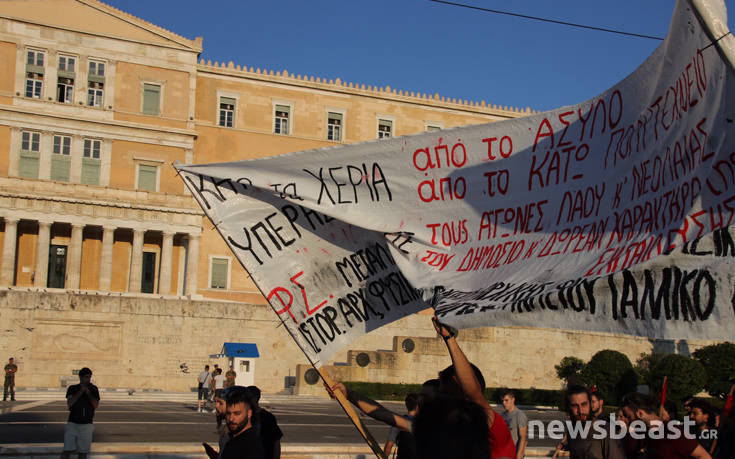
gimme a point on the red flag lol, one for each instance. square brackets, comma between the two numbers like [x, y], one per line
[662, 396]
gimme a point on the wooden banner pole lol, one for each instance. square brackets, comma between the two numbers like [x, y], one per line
[352, 414]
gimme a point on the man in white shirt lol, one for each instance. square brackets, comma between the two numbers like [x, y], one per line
[205, 384]
[219, 382]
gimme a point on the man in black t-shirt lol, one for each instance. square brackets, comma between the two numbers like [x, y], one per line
[244, 442]
[267, 427]
[82, 399]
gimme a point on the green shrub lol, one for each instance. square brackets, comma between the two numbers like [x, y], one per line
[569, 367]
[644, 365]
[718, 361]
[384, 391]
[686, 377]
[612, 373]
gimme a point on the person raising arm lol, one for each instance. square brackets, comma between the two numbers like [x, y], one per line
[468, 379]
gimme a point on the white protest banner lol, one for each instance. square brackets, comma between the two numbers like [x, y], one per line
[343, 240]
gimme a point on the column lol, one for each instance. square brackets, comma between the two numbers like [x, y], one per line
[164, 281]
[108, 238]
[136, 261]
[192, 264]
[74, 271]
[40, 277]
[7, 271]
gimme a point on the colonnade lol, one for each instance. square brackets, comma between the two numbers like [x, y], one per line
[74, 257]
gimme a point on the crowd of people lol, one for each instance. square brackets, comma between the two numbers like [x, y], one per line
[649, 429]
[451, 418]
[210, 383]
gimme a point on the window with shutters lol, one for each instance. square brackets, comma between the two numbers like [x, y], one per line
[67, 64]
[385, 129]
[34, 73]
[226, 111]
[96, 68]
[91, 161]
[151, 99]
[35, 58]
[30, 154]
[66, 74]
[95, 95]
[219, 273]
[61, 158]
[282, 118]
[334, 126]
[95, 84]
[147, 177]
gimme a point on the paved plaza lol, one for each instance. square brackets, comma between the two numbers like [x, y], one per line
[303, 421]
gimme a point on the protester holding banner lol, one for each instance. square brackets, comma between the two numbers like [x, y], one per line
[372, 408]
[461, 380]
[467, 378]
[445, 427]
[451, 428]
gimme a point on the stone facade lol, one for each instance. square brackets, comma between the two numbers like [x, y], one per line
[508, 357]
[142, 342]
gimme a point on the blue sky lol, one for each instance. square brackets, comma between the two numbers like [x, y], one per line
[426, 47]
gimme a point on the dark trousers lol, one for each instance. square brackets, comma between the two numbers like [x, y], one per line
[9, 386]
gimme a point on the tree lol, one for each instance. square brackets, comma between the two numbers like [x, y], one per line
[569, 367]
[644, 365]
[612, 373]
[686, 377]
[718, 361]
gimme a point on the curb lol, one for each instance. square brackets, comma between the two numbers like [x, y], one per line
[54, 394]
[173, 450]
[118, 394]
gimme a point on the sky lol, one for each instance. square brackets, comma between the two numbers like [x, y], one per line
[428, 47]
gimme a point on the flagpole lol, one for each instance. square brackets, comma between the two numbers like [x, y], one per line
[346, 405]
[662, 397]
[352, 414]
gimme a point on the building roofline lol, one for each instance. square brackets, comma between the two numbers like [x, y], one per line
[193, 45]
[284, 77]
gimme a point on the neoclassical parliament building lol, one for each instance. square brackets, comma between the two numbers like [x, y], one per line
[108, 262]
